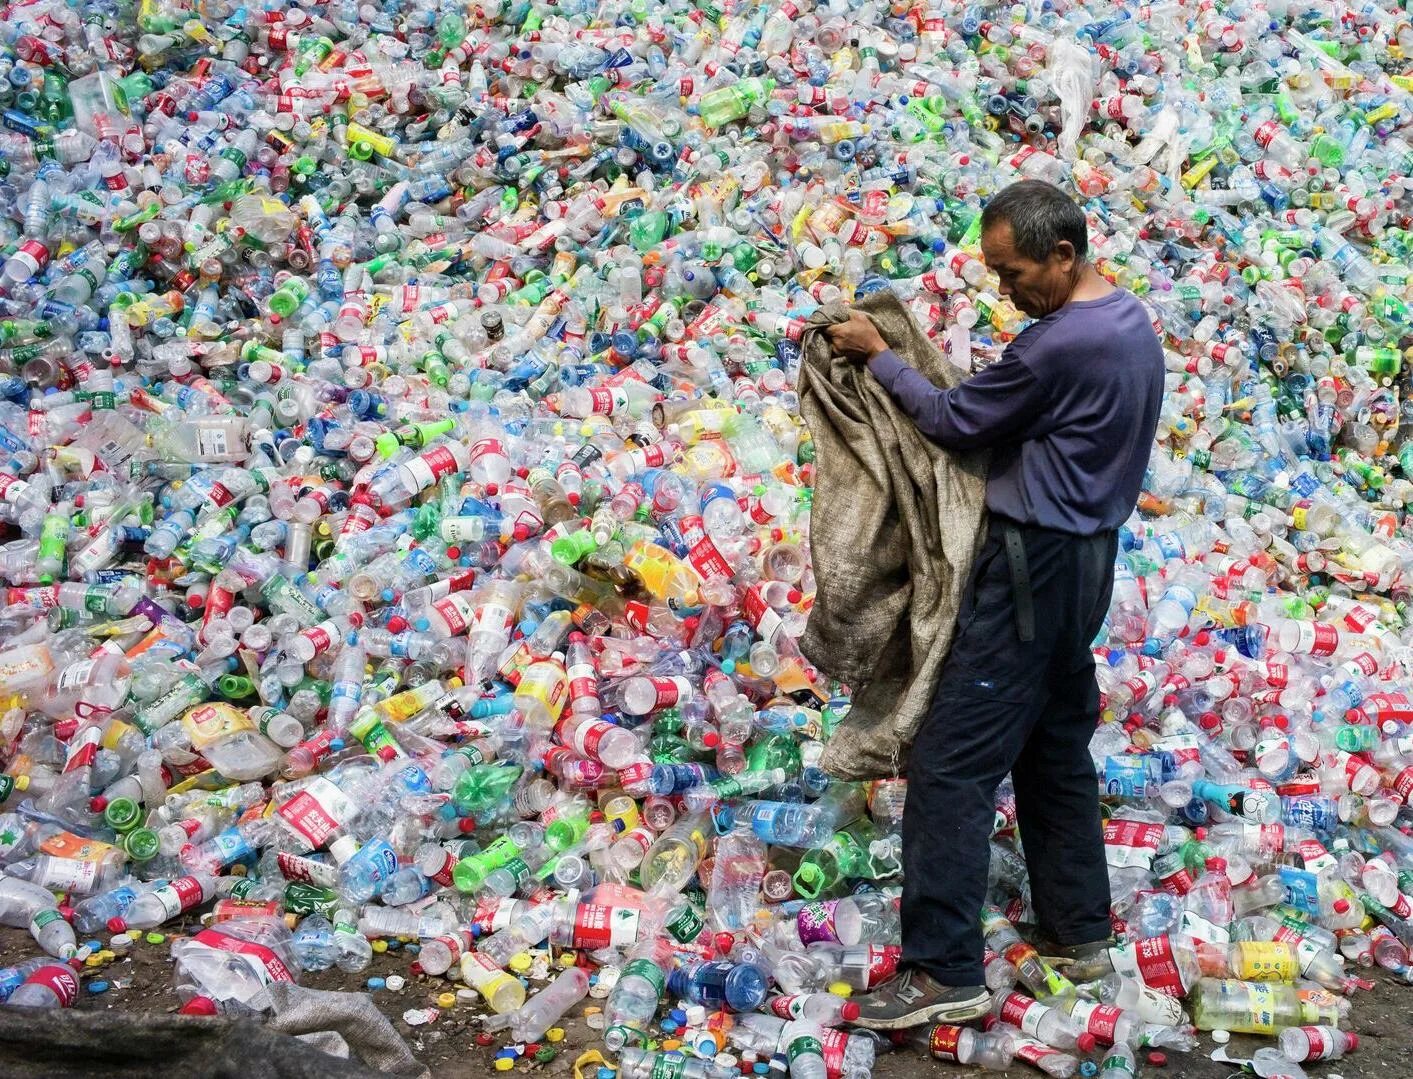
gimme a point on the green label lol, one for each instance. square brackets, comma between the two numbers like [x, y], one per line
[686, 925]
[669, 1066]
[804, 1045]
[44, 917]
[309, 899]
[649, 972]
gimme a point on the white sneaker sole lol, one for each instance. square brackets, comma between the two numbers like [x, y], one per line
[955, 1012]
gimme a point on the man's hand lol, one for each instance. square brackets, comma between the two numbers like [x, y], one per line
[858, 339]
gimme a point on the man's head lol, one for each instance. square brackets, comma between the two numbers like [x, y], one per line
[1033, 236]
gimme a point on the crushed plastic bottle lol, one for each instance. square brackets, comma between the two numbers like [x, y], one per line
[407, 511]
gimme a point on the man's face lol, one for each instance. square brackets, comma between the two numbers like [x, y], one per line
[1035, 287]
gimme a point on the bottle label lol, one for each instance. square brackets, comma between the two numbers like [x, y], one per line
[815, 922]
[650, 972]
[1319, 1006]
[584, 739]
[43, 918]
[1200, 928]
[882, 963]
[597, 926]
[212, 442]
[316, 812]
[77, 848]
[83, 748]
[1101, 1020]
[493, 915]
[306, 870]
[181, 894]
[1265, 961]
[1115, 1065]
[670, 691]
[379, 859]
[214, 722]
[1320, 1045]
[1131, 843]
[686, 924]
[262, 961]
[1261, 1007]
[69, 875]
[456, 610]
[761, 615]
[60, 980]
[1034, 1053]
[1024, 1013]
[433, 465]
[803, 1046]
[943, 1042]
[1152, 962]
[668, 1066]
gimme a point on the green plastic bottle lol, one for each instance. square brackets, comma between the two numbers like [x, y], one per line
[729, 103]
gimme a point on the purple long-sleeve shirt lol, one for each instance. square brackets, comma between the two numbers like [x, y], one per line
[1069, 413]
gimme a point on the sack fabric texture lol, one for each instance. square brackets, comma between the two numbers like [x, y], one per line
[896, 524]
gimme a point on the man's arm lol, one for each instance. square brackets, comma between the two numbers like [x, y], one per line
[1001, 403]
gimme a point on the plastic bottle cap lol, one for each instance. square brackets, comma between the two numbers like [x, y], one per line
[849, 1012]
[1086, 1042]
[1341, 906]
[199, 1006]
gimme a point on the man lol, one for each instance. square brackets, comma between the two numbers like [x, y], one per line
[1069, 413]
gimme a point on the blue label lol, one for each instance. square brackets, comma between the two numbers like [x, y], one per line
[1317, 814]
[1131, 776]
[1302, 889]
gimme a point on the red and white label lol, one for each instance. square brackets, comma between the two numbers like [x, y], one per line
[761, 615]
[1152, 962]
[670, 691]
[431, 466]
[598, 926]
[1101, 1020]
[493, 915]
[180, 895]
[942, 1043]
[307, 870]
[456, 610]
[703, 554]
[60, 981]
[1131, 842]
[1023, 1012]
[583, 738]
[267, 966]
[83, 748]
[316, 812]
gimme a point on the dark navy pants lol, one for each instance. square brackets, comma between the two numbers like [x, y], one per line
[1024, 707]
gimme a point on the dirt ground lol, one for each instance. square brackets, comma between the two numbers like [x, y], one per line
[141, 982]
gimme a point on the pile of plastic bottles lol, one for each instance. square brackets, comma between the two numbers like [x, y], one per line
[407, 509]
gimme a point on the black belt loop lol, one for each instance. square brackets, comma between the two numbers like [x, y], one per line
[1020, 583]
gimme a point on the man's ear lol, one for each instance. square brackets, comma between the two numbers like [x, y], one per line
[1064, 253]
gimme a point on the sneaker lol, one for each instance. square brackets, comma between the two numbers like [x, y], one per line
[1074, 955]
[915, 998]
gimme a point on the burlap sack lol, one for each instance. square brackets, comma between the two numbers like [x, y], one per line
[896, 523]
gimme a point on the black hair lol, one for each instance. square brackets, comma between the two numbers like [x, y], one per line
[1040, 216]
